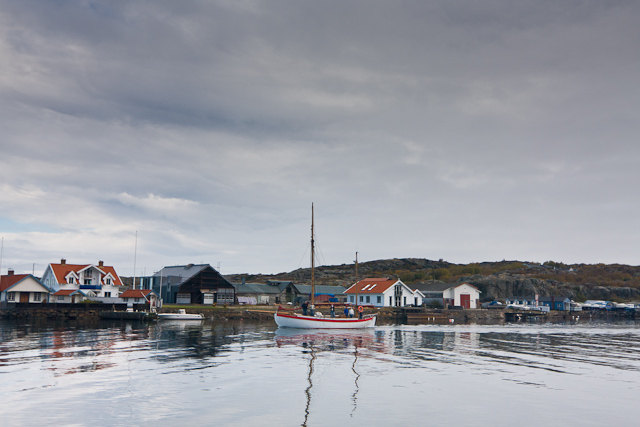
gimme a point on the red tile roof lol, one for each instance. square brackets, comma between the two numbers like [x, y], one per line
[62, 270]
[371, 286]
[135, 293]
[10, 280]
[65, 292]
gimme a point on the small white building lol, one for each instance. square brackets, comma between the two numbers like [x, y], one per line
[93, 280]
[383, 292]
[68, 296]
[140, 296]
[22, 288]
[462, 295]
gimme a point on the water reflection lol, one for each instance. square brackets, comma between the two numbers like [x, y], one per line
[229, 371]
[315, 341]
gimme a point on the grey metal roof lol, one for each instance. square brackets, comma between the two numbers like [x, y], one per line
[183, 271]
[255, 288]
[321, 289]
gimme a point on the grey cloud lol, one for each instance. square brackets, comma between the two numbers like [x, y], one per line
[475, 130]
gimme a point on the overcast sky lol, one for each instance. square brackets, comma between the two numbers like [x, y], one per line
[464, 130]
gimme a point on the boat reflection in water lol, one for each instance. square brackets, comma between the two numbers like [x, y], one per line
[314, 341]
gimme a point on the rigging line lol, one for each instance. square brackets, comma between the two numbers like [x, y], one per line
[319, 255]
[304, 255]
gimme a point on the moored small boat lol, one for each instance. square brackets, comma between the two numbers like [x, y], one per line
[181, 315]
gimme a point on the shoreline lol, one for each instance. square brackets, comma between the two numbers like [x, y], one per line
[261, 313]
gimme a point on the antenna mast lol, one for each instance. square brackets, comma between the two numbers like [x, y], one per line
[1, 249]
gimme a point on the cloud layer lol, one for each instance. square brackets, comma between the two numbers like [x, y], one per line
[465, 131]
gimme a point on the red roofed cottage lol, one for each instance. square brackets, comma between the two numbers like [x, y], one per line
[23, 288]
[383, 292]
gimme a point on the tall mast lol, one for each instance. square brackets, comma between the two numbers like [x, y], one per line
[313, 283]
[356, 278]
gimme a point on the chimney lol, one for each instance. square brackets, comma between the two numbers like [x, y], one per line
[63, 261]
[100, 263]
[10, 272]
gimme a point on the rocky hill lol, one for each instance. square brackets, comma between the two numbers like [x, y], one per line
[496, 280]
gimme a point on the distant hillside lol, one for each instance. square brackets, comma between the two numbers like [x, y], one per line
[496, 280]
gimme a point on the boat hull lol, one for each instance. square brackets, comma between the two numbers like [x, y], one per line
[310, 322]
[177, 316]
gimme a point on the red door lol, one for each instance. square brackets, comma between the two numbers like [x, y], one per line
[465, 301]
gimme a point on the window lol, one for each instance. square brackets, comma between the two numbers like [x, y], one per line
[361, 298]
[107, 294]
[108, 281]
[60, 297]
[136, 299]
[368, 299]
[390, 301]
[405, 300]
[87, 281]
[36, 296]
[379, 300]
[11, 296]
[352, 299]
[71, 280]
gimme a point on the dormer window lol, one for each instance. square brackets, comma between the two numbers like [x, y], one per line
[71, 280]
[108, 281]
[87, 281]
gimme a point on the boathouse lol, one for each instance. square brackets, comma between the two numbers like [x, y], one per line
[462, 295]
[190, 284]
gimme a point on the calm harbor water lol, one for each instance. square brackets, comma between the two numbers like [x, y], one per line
[237, 374]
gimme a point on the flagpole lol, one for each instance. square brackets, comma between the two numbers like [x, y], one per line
[135, 252]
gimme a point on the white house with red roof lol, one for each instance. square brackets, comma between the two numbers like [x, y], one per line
[383, 292]
[23, 288]
[90, 279]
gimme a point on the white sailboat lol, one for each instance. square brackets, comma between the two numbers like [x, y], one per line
[290, 319]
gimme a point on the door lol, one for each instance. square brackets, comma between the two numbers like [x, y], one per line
[465, 301]
[398, 295]
[24, 296]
